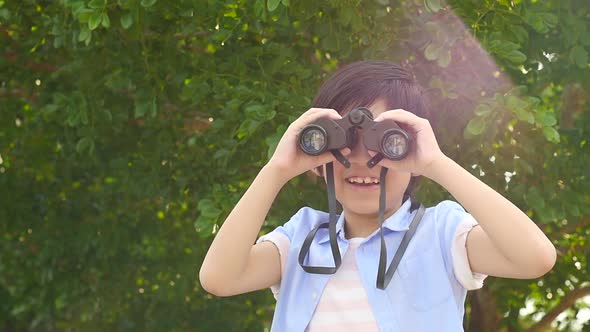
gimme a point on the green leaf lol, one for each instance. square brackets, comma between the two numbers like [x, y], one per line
[208, 209]
[94, 20]
[585, 39]
[452, 95]
[515, 56]
[285, 3]
[330, 43]
[579, 56]
[524, 115]
[84, 117]
[148, 3]
[532, 101]
[444, 58]
[541, 22]
[273, 140]
[255, 111]
[551, 134]
[5, 14]
[84, 34]
[208, 215]
[432, 51]
[432, 6]
[57, 42]
[545, 118]
[259, 10]
[514, 102]
[146, 108]
[87, 41]
[126, 4]
[346, 15]
[520, 33]
[476, 126]
[104, 116]
[524, 165]
[106, 22]
[83, 14]
[97, 4]
[83, 144]
[272, 4]
[549, 19]
[507, 50]
[535, 199]
[483, 110]
[126, 20]
[247, 128]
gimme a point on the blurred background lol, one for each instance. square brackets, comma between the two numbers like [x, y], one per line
[130, 128]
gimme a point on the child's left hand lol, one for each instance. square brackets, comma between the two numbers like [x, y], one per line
[425, 150]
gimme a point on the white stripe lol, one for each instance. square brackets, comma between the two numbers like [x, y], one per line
[340, 295]
[342, 317]
[346, 275]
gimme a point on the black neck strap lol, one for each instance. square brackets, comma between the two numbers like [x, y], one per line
[383, 276]
[331, 231]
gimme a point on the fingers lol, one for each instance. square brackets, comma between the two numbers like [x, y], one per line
[316, 113]
[313, 114]
[346, 151]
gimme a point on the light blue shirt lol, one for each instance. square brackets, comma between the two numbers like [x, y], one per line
[424, 293]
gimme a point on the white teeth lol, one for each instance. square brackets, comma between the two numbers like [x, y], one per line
[366, 180]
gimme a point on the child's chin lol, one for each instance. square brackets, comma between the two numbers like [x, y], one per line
[371, 208]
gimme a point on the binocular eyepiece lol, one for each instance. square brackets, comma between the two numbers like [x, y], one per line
[385, 137]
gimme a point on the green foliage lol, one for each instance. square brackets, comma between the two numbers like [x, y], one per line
[130, 128]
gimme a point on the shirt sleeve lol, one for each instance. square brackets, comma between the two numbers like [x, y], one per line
[470, 280]
[281, 237]
[281, 241]
[454, 225]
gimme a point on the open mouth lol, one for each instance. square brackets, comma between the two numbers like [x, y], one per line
[366, 181]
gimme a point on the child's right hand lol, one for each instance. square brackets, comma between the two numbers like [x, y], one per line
[288, 157]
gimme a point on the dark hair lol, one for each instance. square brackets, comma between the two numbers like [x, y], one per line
[362, 83]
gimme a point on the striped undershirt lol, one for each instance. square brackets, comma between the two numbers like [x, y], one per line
[344, 305]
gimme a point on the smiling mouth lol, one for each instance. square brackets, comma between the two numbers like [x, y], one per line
[362, 181]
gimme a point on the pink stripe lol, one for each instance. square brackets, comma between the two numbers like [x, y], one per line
[332, 306]
[348, 263]
[344, 284]
[360, 327]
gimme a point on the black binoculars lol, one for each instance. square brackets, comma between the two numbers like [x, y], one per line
[384, 137]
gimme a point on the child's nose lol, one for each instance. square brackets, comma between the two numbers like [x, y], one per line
[359, 153]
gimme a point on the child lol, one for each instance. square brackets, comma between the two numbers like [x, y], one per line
[447, 256]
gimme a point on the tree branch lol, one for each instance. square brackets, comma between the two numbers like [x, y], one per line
[567, 301]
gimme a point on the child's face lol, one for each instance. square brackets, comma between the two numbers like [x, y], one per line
[363, 198]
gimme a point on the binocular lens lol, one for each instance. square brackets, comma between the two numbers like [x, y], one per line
[313, 140]
[395, 145]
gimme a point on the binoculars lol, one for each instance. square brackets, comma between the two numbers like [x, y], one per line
[385, 137]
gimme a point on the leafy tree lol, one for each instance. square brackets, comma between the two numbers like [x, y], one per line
[129, 129]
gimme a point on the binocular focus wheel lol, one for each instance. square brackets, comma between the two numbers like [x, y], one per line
[356, 115]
